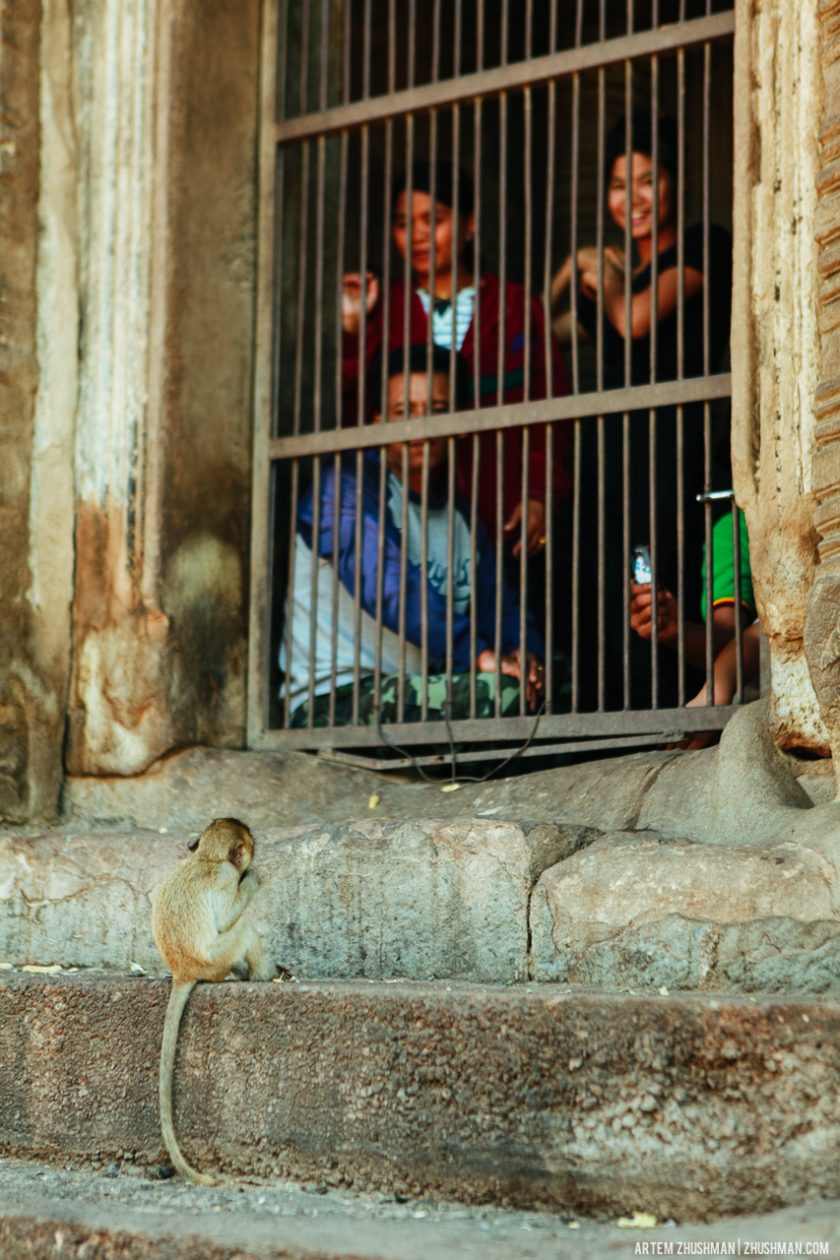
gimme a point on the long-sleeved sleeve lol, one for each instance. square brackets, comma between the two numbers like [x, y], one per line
[367, 569]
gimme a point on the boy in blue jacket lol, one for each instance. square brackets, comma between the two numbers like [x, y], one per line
[343, 628]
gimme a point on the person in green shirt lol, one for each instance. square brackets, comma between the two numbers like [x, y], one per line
[730, 600]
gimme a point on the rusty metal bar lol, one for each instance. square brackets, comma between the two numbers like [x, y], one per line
[432, 249]
[313, 584]
[456, 225]
[574, 191]
[739, 630]
[477, 325]
[551, 145]
[301, 293]
[501, 79]
[479, 35]
[500, 359]
[666, 724]
[456, 57]
[380, 576]
[627, 542]
[412, 46]
[364, 211]
[450, 553]
[357, 587]
[599, 373]
[549, 567]
[293, 511]
[394, 765]
[681, 693]
[473, 566]
[342, 216]
[387, 216]
[319, 285]
[707, 421]
[523, 567]
[526, 393]
[654, 339]
[366, 42]
[336, 552]
[424, 580]
[497, 634]
[511, 416]
[409, 214]
[403, 583]
[305, 18]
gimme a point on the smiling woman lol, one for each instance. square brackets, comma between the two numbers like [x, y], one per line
[643, 206]
[658, 310]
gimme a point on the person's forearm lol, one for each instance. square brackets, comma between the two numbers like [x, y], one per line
[563, 328]
[616, 309]
[695, 642]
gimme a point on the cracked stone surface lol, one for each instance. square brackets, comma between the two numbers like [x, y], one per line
[656, 911]
[526, 1095]
[369, 898]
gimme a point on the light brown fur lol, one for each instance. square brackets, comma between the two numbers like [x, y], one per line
[199, 928]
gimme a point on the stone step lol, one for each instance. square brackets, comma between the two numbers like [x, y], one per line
[46, 1212]
[531, 1096]
[474, 899]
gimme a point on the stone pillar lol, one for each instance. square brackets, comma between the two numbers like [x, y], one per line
[38, 377]
[776, 338]
[822, 631]
[167, 95]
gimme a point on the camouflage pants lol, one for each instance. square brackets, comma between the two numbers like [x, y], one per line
[459, 689]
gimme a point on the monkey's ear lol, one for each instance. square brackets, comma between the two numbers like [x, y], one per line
[192, 847]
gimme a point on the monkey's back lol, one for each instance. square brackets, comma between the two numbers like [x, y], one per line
[183, 920]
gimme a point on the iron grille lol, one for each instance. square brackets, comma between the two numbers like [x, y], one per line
[522, 100]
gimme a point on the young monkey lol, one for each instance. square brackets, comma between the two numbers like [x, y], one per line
[199, 928]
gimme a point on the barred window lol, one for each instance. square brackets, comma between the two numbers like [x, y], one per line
[493, 393]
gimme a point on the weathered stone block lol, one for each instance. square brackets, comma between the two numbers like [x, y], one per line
[646, 911]
[373, 898]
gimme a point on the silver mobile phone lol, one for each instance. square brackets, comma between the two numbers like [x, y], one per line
[640, 567]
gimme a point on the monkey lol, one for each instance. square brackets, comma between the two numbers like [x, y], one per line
[199, 928]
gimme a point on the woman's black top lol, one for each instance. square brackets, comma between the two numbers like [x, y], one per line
[718, 284]
[605, 459]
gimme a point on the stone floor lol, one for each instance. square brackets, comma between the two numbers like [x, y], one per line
[57, 1213]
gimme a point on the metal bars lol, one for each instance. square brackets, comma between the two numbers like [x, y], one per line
[485, 83]
[364, 522]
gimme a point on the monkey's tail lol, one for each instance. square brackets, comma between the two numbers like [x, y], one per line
[178, 998]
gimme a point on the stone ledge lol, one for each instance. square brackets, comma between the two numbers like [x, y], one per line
[373, 898]
[477, 900]
[644, 910]
[690, 1107]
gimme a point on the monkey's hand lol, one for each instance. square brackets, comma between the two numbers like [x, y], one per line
[251, 878]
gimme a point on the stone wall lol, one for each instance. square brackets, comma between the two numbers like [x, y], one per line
[775, 338]
[128, 235]
[129, 261]
[168, 178]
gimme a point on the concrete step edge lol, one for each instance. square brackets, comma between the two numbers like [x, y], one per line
[531, 1096]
